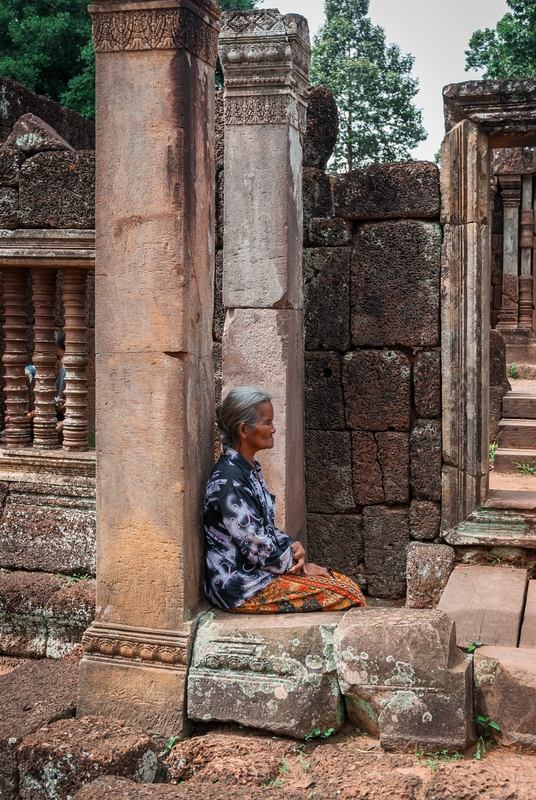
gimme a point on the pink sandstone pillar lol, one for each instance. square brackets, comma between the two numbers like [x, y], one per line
[265, 58]
[155, 396]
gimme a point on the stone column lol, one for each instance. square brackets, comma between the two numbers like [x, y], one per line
[155, 393]
[44, 298]
[511, 196]
[526, 243]
[75, 428]
[15, 358]
[265, 58]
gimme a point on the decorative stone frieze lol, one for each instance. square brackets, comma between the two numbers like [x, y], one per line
[161, 26]
[162, 648]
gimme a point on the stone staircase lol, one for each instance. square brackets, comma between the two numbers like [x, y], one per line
[517, 432]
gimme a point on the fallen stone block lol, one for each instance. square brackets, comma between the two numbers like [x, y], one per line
[57, 190]
[428, 569]
[505, 691]
[48, 528]
[34, 694]
[404, 678]
[32, 135]
[61, 757]
[43, 615]
[275, 672]
[388, 191]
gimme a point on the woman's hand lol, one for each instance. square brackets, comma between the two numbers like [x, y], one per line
[314, 569]
[298, 560]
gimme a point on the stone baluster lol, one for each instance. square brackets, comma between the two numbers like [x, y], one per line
[15, 358]
[44, 297]
[511, 195]
[526, 306]
[75, 427]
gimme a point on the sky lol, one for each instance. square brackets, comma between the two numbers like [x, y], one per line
[436, 32]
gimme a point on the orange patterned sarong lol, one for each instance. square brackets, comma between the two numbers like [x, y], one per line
[288, 594]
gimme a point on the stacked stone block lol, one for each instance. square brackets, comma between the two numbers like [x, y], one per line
[373, 364]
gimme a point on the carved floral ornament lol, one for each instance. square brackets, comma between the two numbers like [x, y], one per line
[133, 648]
[269, 109]
[238, 662]
[155, 29]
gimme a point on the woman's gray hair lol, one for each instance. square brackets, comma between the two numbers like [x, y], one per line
[240, 405]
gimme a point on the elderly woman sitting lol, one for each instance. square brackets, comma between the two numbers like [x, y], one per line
[251, 566]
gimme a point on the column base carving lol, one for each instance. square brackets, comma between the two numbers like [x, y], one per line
[137, 675]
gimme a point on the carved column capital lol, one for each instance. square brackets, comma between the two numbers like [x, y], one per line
[157, 25]
[511, 190]
[265, 57]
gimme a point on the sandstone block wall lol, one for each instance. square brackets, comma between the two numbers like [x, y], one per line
[371, 270]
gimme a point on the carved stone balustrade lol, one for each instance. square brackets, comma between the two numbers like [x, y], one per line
[43, 254]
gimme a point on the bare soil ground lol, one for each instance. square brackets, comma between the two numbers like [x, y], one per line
[348, 765]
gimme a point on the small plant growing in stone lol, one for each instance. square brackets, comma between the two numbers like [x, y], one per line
[76, 578]
[513, 371]
[433, 760]
[471, 647]
[488, 730]
[304, 765]
[492, 448]
[283, 769]
[316, 733]
[526, 468]
[169, 744]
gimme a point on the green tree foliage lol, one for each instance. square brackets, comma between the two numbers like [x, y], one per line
[372, 84]
[46, 45]
[238, 5]
[508, 51]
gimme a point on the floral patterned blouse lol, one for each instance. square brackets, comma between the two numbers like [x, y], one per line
[244, 551]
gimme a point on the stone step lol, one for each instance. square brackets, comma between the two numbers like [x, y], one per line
[507, 460]
[486, 603]
[517, 434]
[519, 405]
[528, 629]
[495, 527]
[505, 691]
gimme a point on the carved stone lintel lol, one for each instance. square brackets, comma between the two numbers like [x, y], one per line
[511, 190]
[142, 645]
[164, 28]
[265, 58]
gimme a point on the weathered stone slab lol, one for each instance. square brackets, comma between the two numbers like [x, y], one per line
[60, 758]
[10, 163]
[366, 471]
[486, 603]
[335, 541]
[393, 457]
[404, 678]
[427, 384]
[395, 284]
[17, 100]
[385, 541]
[329, 232]
[328, 468]
[43, 615]
[528, 628]
[48, 528]
[9, 207]
[424, 520]
[57, 190]
[428, 569]
[425, 460]
[322, 127]
[326, 275]
[276, 672]
[388, 191]
[505, 691]
[33, 135]
[35, 694]
[324, 404]
[377, 390]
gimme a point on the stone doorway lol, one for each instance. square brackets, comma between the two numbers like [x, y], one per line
[485, 121]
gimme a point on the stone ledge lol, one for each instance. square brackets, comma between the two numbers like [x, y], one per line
[57, 467]
[47, 248]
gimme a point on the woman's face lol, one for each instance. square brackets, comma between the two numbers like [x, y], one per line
[261, 437]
